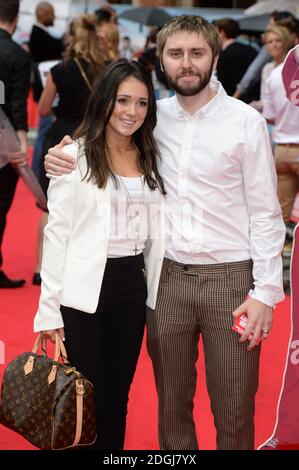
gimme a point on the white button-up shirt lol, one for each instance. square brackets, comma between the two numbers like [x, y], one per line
[220, 179]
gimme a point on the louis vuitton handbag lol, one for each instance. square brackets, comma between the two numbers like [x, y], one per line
[46, 401]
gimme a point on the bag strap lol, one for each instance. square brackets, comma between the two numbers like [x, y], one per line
[85, 78]
[60, 351]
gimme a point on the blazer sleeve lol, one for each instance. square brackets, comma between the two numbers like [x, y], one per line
[61, 205]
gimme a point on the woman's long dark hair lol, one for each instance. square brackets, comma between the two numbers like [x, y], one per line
[97, 116]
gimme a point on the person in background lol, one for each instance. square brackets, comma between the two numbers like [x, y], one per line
[252, 77]
[108, 35]
[126, 50]
[285, 435]
[73, 77]
[104, 230]
[278, 41]
[234, 58]
[15, 69]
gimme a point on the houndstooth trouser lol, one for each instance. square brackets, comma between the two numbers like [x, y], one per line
[194, 301]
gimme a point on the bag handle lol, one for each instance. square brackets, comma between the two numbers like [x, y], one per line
[60, 351]
[84, 76]
[59, 347]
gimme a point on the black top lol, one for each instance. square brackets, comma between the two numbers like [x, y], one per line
[233, 62]
[72, 89]
[43, 46]
[15, 67]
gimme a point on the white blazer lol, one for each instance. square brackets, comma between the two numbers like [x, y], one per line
[76, 242]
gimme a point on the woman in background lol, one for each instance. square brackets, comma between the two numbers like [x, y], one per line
[278, 41]
[105, 228]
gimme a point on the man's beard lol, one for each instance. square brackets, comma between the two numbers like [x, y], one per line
[190, 90]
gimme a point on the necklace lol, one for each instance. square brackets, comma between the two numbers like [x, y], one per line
[140, 204]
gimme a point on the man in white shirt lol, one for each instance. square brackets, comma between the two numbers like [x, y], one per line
[225, 239]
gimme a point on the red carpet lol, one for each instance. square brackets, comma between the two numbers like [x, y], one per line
[17, 308]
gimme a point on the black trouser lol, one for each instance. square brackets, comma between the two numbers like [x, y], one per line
[8, 184]
[105, 346]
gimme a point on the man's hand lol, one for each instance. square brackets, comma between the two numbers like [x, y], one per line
[259, 320]
[57, 162]
[19, 159]
[50, 334]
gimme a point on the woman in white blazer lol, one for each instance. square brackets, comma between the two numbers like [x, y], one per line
[103, 244]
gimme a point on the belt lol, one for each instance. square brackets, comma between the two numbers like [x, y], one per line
[288, 145]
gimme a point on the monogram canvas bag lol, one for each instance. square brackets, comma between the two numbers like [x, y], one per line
[48, 402]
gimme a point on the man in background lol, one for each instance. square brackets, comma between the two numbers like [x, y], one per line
[15, 68]
[286, 431]
[234, 58]
[278, 110]
[251, 79]
[225, 236]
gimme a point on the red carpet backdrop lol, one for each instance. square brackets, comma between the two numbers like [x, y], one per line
[17, 309]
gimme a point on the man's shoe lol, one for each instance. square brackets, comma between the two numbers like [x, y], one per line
[7, 283]
[287, 250]
[36, 280]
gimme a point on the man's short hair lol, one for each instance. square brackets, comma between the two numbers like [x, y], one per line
[229, 26]
[191, 24]
[9, 10]
[284, 35]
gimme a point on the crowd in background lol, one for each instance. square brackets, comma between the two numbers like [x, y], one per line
[108, 106]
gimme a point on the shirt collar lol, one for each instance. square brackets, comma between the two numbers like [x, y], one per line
[208, 109]
[42, 26]
[227, 43]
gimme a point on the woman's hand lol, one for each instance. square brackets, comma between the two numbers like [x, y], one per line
[50, 334]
